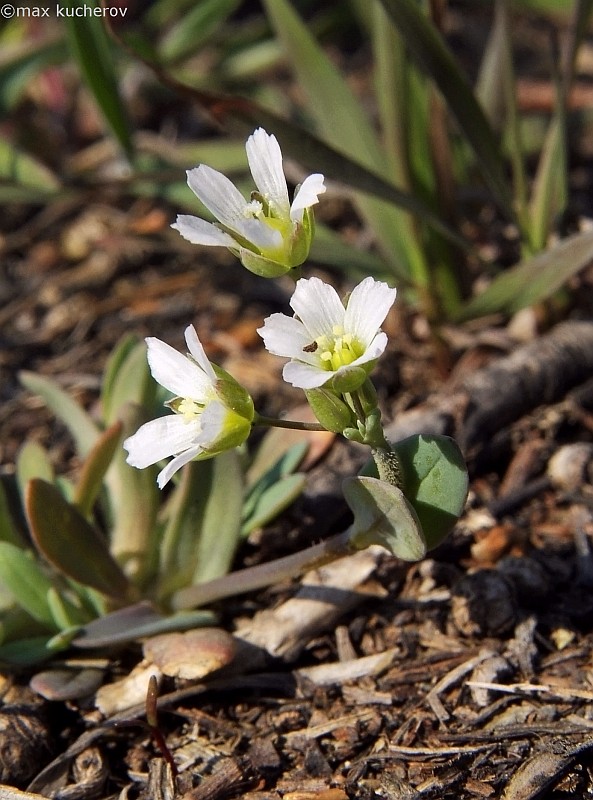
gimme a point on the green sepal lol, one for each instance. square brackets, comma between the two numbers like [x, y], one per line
[367, 394]
[234, 396]
[350, 379]
[302, 238]
[262, 266]
[332, 412]
[236, 430]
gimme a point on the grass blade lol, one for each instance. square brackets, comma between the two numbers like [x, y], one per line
[93, 53]
[532, 280]
[344, 124]
[432, 55]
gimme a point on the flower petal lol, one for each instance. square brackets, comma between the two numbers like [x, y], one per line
[367, 308]
[161, 438]
[213, 420]
[176, 372]
[194, 345]
[265, 162]
[305, 376]
[198, 231]
[179, 461]
[307, 195]
[318, 306]
[220, 195]
[284, 336]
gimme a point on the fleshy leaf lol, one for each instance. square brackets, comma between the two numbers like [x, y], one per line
[26, 582]
[431, 54]
[92, 50]
[33, 462]
[435, 482]
[383, 516]
[203, 531]
[78, 422]
[94, 468]
[25, 652]
[272, 501]
[136, 622]
[133, 499]
[65, 538]
[23, 170]
[127, 380]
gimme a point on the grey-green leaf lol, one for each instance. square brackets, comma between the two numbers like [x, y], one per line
[383, 516]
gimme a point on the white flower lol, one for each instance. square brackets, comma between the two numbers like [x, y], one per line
[213, 412]
[268, 233]
[327, 341]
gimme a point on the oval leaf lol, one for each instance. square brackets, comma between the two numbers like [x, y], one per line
[383, 516]
[435, 482]
[65, 538]
[94, 468]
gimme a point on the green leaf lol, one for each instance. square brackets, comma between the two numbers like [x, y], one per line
[65, 614]
[273, 501]
[533, 280]
[23, 170]
[383, 515]
[128, 380]
[95, 467]
[227, 497]
[17, 70]
[26, 581]
[431, 54]
[203, 532]
[94, 54]
[435, 482]
[65, 538]
[115, 363]
[132, 505]
[274, 459]
[25, 652]
[331, 249]
[33, 462]
[78, 422]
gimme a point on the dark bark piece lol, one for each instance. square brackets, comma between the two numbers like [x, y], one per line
[539, 373]
[536, 374]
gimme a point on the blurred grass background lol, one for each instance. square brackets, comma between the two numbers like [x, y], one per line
[429, 117]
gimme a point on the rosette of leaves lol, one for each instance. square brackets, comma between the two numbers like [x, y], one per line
[74, 551]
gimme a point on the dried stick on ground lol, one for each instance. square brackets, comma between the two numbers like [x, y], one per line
[537, 374]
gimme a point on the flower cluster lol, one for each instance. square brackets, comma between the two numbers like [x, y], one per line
[332, 346]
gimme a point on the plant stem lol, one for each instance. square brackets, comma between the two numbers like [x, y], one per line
[272, 422]
[247, 580]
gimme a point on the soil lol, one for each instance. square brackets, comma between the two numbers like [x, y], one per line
[468, 675]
